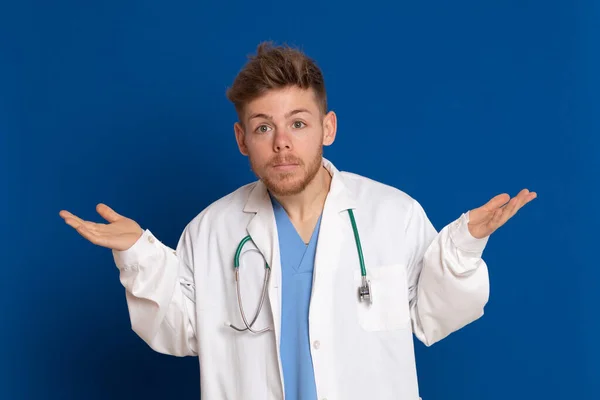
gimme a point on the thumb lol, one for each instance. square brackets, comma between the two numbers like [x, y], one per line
[497, 201]
[108, 213]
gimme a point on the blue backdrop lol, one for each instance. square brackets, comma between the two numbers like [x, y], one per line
[124, 102]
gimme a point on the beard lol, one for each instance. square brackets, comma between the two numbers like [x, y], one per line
[288, 183]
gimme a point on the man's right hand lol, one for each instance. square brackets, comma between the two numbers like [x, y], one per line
[119, 234]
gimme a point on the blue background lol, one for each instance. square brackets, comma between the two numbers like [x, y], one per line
[124, 102]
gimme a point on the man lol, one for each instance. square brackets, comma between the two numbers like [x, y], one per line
[326, 331]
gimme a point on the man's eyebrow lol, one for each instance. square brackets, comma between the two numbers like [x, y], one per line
[260, 115]
[298, 111]
[270, 118]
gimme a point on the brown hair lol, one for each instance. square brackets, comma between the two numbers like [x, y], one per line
[276, 67]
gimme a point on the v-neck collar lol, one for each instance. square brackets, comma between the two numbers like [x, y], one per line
[295, 254]
[278, 209]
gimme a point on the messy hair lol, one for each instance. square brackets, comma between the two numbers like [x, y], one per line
[276, 67]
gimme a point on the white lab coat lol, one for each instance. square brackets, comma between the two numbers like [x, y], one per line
[424, 283]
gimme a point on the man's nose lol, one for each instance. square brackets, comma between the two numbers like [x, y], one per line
[282, 141]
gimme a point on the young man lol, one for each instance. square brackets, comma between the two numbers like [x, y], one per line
[353, 267]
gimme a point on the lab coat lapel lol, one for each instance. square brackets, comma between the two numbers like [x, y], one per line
[262, 226]
[263, 230]
[334, 222]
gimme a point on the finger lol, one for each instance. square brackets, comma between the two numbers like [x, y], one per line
[74, 221]
[521, 194]
[508, 210]
[91, 227]
[515, 204]
[525, 196]
[526, 199]
[108, 213]
[496, 218]
[94, 237]
[86, 233]
[497, 201]
[67, 215]
[530, 196]
[495, 221]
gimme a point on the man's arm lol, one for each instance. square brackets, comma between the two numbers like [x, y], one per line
[159, 282]
[448, 279]
[160, 293]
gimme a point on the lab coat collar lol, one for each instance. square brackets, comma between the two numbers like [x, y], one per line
[262, 227]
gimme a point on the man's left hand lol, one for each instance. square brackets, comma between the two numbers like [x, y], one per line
[483, 221]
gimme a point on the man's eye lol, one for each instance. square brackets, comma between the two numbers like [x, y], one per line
[299, 124]
[262, 129]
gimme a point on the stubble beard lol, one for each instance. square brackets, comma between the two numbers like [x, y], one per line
[289, 183]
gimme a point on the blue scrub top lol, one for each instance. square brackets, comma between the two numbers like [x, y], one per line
[297, 262]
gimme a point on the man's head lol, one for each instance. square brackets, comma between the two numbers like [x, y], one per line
[283, 124]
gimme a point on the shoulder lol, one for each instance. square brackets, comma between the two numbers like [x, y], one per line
[386, 204]
[378, 194]
[225, 209]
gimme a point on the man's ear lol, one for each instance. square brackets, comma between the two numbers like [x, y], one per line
[239, 137]
[329, 128]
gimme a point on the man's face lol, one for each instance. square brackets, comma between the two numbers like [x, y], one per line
[283, 135]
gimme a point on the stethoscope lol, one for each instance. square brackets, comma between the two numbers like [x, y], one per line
[364, 290]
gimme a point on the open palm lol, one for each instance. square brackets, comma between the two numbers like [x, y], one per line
[119, 234]
[483, 221]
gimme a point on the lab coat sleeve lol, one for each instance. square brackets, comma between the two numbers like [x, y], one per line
[160, 293]
[448, 279]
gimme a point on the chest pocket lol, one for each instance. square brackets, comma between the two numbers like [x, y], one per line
[389, 309]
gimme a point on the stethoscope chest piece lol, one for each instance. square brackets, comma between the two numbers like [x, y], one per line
[364, 291]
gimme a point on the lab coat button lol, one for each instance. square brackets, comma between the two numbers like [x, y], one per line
[316, 345]
[150, 239]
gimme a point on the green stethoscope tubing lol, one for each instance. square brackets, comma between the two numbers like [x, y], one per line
[363, 269]
[236, 260]
[364, 290]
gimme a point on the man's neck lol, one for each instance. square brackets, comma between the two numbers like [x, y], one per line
[308, 204]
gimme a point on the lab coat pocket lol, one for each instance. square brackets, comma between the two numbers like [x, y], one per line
[389, 309]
